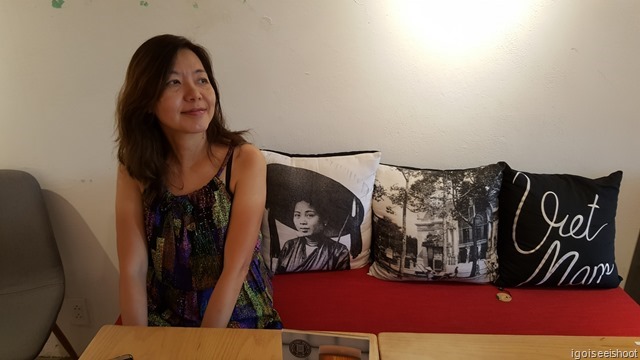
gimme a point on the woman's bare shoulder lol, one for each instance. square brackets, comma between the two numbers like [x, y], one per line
[248, 156]
[125, 179]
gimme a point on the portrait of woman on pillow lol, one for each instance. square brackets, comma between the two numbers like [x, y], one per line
[312, 250]
[318, 221]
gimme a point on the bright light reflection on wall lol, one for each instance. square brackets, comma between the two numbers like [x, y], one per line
[458, 27]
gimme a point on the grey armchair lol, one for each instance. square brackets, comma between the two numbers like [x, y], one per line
[31, 273]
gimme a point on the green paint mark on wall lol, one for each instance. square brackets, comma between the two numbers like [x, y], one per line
[57, 3]
[144, 3]
[195, 5]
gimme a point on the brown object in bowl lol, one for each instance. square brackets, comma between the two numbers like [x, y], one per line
[337, 352]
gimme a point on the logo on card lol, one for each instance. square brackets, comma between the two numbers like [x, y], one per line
[300, 348]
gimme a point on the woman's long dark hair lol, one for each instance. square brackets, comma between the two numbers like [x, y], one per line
[143, 148]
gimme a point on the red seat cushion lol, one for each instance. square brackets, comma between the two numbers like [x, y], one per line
[354, 301]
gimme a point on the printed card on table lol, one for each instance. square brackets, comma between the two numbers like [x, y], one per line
[307, 345]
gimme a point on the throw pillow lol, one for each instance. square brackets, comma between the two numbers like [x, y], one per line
[436, 224]
[318, 210]
[557, 229]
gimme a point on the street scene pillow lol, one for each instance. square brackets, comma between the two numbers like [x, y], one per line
[557, 229]
[434, 225]
[318, 211]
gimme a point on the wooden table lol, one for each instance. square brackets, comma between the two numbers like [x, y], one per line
[183, 343]
[409, 346]
[190, 343]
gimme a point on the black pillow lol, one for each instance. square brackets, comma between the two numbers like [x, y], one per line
[557, 230]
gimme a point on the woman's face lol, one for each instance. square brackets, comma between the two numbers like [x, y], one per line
[306, 219]
[187, 103]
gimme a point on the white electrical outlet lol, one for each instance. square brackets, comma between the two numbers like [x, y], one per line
[78, 311]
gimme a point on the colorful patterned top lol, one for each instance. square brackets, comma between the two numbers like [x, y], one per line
[186, 236]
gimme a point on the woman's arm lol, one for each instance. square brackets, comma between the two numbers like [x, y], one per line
[343, 261]
[132, 250]
[285, 256]
[249, 187]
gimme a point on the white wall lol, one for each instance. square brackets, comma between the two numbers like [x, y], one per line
[548, 86]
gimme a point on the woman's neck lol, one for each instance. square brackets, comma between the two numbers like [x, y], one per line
[191, 165]
[188, 152]
[314, 239]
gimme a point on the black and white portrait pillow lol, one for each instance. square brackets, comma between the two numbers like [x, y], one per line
[557, 229]
[318, 211]
[436, 225]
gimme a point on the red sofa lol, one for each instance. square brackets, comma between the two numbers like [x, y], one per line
[351, 300]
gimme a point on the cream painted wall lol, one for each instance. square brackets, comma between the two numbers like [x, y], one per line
[553, 89]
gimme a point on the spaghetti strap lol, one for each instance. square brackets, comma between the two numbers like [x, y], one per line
[226, 162]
